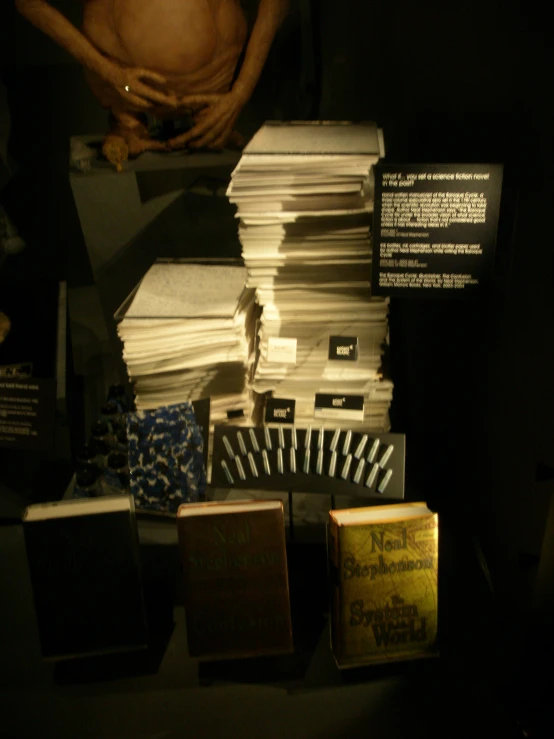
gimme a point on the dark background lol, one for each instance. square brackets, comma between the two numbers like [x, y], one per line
[448, 82]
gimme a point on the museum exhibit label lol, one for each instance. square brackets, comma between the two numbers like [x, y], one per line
[434, 230]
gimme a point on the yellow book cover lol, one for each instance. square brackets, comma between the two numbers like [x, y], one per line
[383, 566]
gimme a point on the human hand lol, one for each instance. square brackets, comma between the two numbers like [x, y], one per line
[140, 88]
[214, 120]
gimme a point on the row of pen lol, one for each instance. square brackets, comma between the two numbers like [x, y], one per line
[352, 456]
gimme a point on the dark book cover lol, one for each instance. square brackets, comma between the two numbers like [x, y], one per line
[83, 558]
[235, 578]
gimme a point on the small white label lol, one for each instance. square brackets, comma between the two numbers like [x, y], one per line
[344, 414]
[345, 407]
[281, 351]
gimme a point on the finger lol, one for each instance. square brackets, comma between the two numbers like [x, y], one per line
[157, 146]
[218, 129]
[137, 101]
[199, 99]
[185, 138]
[236, 140]
[147, 74]
[220, 142]
[194, 137]
[206, 139]
[154, 95]
[216, 145]
[203, 127]
[178, 142]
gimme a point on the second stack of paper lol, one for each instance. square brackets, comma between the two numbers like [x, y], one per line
[188, 334]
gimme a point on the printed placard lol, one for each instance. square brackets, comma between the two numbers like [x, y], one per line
[434, 228]
[279, 410]
[281, 351]
[346, 407]
[343, 348]
[27, 409]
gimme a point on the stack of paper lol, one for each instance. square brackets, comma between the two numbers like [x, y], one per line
[188, 334]
[304, 197]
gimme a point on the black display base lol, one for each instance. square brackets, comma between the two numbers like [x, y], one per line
[451, 696]
[312, 666]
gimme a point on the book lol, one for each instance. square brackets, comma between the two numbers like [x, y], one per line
[383, 564]
[188, 330]
[166, 458]
[304, 197]
[83, 558]
[235, 579]
[325, 138]
[182, 290]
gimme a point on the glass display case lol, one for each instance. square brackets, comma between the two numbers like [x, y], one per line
[472, 377]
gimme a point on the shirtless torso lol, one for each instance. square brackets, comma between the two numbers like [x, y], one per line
[167, 58]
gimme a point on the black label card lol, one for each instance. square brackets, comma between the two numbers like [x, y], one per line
[349, 407]
[27, 410]
[239, 413]
[434, 228]
[202, 415]
[279, 410]
[343, 348]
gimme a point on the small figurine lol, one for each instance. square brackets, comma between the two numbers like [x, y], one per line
[5, 326]
[80, 155]
[10, 240]
[167, 58]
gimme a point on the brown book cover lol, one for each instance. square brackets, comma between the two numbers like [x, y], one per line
[235, 578]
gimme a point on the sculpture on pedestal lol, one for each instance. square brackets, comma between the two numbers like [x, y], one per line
[166, 58]
[10, 240]
[5, 326]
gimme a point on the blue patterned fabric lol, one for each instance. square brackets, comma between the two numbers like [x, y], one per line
[166, 463]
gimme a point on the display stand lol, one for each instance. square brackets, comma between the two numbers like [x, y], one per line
[166, 665]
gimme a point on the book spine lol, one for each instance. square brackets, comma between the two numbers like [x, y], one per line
[333, 554]
[137, 559]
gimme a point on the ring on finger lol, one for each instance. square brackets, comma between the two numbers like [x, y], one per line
[127, 88]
